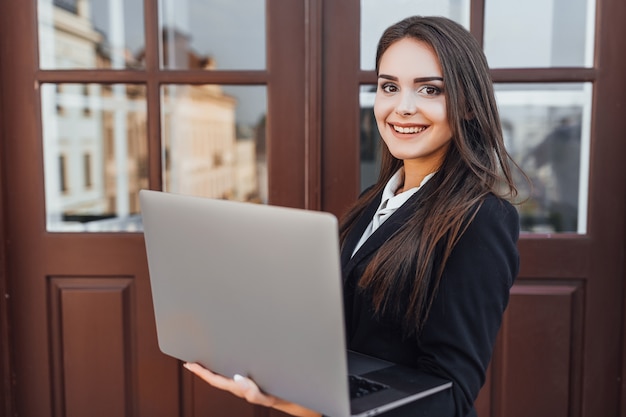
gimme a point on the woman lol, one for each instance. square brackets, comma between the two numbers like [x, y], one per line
[429, 251]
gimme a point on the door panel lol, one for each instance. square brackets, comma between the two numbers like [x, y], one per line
[92, 345]
[555, 346]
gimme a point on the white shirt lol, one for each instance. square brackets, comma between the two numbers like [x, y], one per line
[389, 203]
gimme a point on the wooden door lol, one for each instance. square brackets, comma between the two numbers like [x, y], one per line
[82, 334]
[560, 346]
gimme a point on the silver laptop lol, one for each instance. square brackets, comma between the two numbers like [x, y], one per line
[256, 290]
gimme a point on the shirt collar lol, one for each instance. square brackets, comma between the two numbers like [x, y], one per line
[390, 199]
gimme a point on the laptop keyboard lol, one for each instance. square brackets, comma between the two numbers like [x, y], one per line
[360, 386]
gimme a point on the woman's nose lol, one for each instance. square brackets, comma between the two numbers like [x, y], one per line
[407, 104]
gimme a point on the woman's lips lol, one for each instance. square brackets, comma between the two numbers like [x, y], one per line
[408, 129]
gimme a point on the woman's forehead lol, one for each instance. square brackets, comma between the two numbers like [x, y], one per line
[409, 57]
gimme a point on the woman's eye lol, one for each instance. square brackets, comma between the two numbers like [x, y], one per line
[388, 88]
[430, 90]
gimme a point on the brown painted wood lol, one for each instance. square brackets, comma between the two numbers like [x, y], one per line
[165, 77]
[286, 102]
[604, 299]
[20, 93]
[6, 366]
[531, 345]
[313, 104]
[100, 310]
[543, 75]
[477, 20]
[340, 146]
[622, 382]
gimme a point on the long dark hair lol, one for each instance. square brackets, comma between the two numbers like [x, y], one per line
[475, 165]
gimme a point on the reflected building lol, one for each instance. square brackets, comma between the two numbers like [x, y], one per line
[200, 141]
[96, 142]
[75, 118]
[546, 143]
[206, 152]
[71, 36]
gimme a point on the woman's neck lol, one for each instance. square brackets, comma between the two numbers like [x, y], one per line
[414, 174]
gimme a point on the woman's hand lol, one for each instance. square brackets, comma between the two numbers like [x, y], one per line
[245, 388]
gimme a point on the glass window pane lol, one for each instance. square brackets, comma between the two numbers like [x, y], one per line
[214, 141]
[370, 140]
[208, 34]
[85, 34]
[539, 33]
[546, 130]
[377, 15]
[95, 156]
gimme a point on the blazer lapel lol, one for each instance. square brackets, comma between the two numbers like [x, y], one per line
[380, 235]
[355, 234]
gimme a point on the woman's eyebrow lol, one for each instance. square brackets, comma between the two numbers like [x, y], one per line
[415, 80]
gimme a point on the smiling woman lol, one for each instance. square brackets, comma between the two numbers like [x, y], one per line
[410, 108]
[429, 250]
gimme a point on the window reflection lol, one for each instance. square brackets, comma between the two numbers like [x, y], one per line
[208, 34]
[561, 35]
[546, 130]
[95, 156]
[369, 138]
[377, 15]
[214, 141]
[88, 34]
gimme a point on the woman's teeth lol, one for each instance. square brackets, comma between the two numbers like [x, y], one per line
[413, 129]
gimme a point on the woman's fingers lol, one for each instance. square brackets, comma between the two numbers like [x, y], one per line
[213, 379]
[240, 386]
[252, 393]
[246, 388]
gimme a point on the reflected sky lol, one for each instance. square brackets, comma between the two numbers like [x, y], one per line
[561, 35]
[215, 17]
[133, 14]
[376, 16]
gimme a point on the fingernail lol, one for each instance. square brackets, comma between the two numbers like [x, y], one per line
[240, 380]
[186, 365]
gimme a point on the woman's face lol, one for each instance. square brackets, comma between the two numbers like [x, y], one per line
[410, 105]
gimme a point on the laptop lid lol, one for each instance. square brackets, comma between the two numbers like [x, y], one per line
[250, 289]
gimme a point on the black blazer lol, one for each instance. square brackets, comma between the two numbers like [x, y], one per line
[458, 338]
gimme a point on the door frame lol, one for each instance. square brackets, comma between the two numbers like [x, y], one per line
[6, 364]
